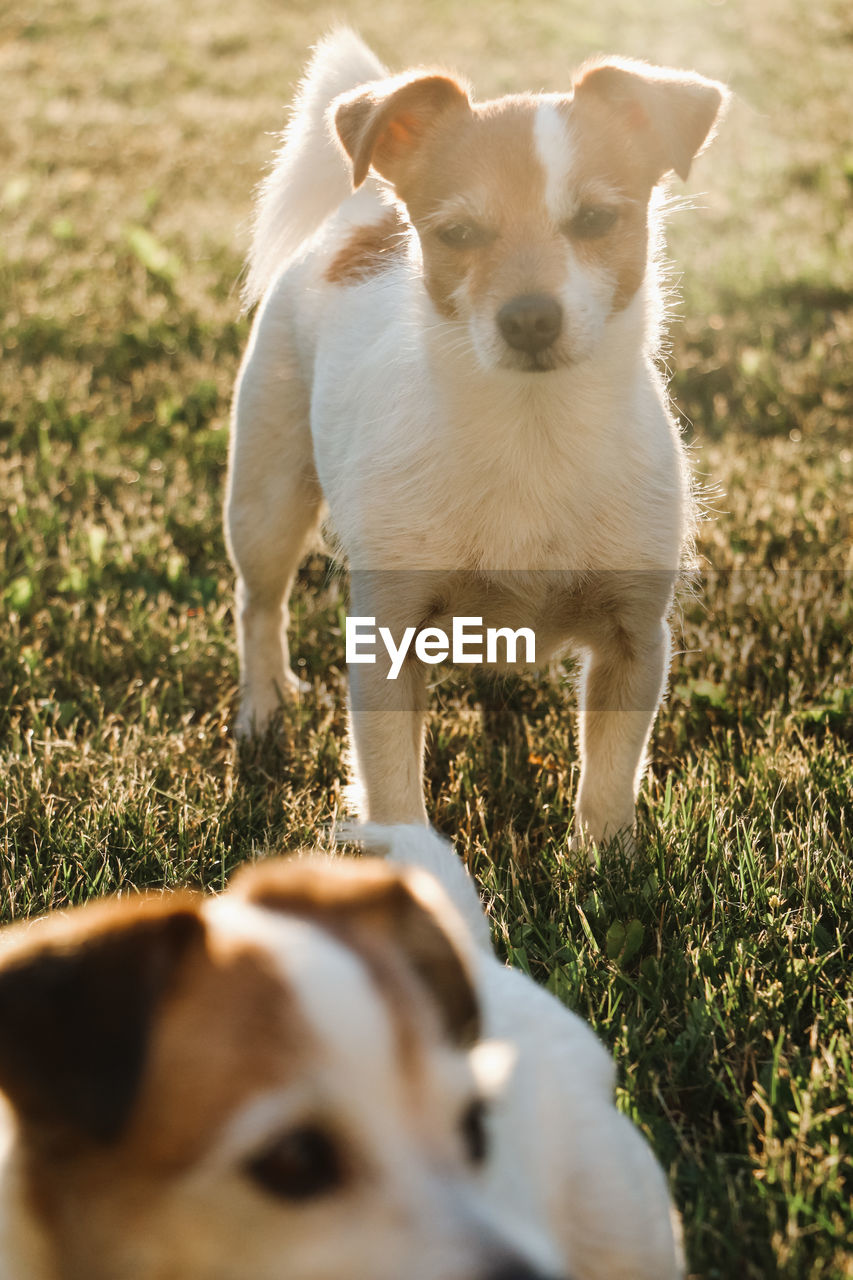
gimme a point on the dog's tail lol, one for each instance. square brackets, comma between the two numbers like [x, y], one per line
[309, 177]
[414, 845]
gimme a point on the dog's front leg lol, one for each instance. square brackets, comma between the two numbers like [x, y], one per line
[622, 683]
[388, 696]
[387, 717]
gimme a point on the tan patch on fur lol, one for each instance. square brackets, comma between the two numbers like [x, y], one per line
[485, 162]
[369, 250]
[230, 1028]
[481, 165]
[633, 124]
[226, 1029]
[606, 157]
[375, 910]
[448, 158]
[668, 113]
[93, 974]
[383, 125]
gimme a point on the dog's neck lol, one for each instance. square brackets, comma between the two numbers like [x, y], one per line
[592, 397]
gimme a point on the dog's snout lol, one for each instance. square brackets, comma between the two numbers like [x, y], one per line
[531, 322]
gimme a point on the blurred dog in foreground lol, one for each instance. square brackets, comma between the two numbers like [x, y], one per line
[324, 1072]
[458, 358]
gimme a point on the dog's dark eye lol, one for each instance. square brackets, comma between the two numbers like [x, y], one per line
[473, 1129]
[592, 221]
[464, 235]
[299, 1165]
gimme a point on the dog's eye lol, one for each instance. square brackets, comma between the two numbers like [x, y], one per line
[299, 1165]
[464, 235]
[592, 221]
[473, 1128]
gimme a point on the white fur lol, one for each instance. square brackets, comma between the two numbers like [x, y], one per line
[307, 180]
[335, 994]
[433, 452]
[585, 1168]
[449, 1225]
[555, 151]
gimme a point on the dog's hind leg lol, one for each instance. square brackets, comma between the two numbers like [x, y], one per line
[273, 506]
[622, 684]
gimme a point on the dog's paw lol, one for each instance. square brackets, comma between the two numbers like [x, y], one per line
[248, 726]
[294, 687]
[623, 841]
[257, 713]
[579, 846]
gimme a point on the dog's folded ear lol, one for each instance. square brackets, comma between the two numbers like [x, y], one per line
[77, 999]
[669, 114]
[384, 123]
[377, 908]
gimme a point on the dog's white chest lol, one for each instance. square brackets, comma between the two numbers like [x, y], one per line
[426, 462]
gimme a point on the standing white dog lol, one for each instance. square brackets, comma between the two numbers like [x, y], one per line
[457, 357]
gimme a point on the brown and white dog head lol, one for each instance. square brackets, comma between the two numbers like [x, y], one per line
[532, 211]
[284, 1083]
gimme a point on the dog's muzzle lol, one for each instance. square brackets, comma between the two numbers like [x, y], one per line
[531, 322]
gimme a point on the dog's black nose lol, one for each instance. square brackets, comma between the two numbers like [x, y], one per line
[531, 322]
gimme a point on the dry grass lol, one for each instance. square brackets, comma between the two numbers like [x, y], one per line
[131, 135]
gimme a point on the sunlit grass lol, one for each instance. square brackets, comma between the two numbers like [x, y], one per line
[718, 964]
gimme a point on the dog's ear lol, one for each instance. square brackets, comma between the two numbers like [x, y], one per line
[77, 1000]
[371, 906]
[384, 124]
[668, 114]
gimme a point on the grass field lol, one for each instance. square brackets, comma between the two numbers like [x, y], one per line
[718, 965]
